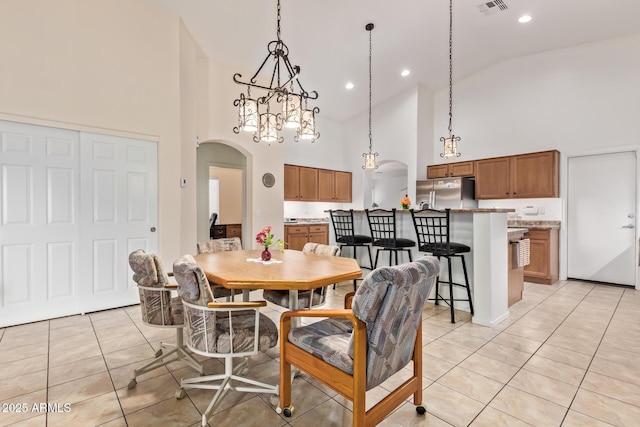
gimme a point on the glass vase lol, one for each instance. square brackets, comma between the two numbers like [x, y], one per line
[265, 255]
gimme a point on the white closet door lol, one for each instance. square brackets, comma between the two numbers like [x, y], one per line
[39, 225]
[119, 215]
[72, 207]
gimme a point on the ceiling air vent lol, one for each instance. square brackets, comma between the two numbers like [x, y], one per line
[491, 7]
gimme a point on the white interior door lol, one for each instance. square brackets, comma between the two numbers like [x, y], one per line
[119, 215]
[601, 212]
[39, 227]
[72, 207]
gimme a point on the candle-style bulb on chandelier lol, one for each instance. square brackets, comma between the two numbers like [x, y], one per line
[450, 143]
[284, 91]
[370, 157]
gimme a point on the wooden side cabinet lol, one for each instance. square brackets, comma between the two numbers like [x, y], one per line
[300, 183]
[544, 265]
[525, 176]
[334, 186]
[451, 169]
[296, 236]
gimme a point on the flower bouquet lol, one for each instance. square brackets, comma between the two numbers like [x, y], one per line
[265, 238]
[405, 202]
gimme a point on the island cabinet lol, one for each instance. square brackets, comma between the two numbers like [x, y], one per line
[544, 259]
[300, 183]
[525, 176]
[334, 186]
[296, 236]
[451, 169]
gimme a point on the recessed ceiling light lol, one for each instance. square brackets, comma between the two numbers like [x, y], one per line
[349, 85]
[524, 18]
[405, 73]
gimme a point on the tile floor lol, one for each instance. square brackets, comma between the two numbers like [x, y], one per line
[568, 355]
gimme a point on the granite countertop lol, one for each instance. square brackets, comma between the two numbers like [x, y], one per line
[514, 223]
[307, 221]
[513, 230]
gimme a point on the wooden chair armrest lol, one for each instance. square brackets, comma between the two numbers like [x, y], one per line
[336, 313]
[348, 300]
[238, 304]
[170, 273]
[171, 286]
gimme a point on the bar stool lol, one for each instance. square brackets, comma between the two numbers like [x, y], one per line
[382, 224]
[433, 231]
[342, 221]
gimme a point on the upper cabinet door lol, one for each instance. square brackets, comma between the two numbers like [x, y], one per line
[535, 175]
[492, 178]
[291, 183]
[308, 184]
[437, 171]
[326, 185]
[461, 169]
[343, 187]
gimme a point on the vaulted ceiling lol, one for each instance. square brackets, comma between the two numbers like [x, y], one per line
[328, 40]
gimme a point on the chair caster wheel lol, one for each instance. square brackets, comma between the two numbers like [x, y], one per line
[288, 411]
[421, 409]
[158, 353]
[132, 384]
[180, 394]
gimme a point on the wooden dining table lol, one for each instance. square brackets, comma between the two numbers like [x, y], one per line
[297, 271]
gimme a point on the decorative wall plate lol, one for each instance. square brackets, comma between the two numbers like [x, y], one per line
[268, 180]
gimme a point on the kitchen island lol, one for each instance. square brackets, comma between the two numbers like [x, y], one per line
[484, 230]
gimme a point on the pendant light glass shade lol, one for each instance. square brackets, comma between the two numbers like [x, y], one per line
[268, 127]
[370, 160]
[291, 111]
[450, 147]
[247, 114]
[307, 130]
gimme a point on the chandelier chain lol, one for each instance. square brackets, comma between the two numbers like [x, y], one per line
[278, 32]
[370, 78]
[450, 63]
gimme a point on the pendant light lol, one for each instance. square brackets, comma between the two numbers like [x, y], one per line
[370, 157]
[450, 143]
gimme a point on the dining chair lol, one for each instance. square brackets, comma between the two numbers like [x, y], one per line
[307, 299]
[220, 245]
[353, 350]
[433, 229]
[382, 224]
[160, 310]
[224, 330]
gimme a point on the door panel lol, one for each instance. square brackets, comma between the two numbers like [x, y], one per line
[601, 222]
[119, 200]
[39, 227]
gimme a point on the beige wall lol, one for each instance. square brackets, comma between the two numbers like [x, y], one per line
[108, 66]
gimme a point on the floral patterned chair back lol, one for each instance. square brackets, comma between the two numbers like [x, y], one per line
[318, 295]
[220, 245]
[156, 304]
[208, 331]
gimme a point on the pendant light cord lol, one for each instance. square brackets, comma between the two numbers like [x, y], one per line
[278, 33]
[450, 63]
[370, 28]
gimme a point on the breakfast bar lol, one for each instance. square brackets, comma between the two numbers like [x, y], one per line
[485, 231]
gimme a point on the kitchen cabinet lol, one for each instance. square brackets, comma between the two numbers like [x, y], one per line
[300, 183]
[296, 236]
[525, 176]
[220, 231]
[544, 259]
[334, 186]
[451, 169]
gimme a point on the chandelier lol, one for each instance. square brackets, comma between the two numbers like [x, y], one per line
[450, 143]
[284, 90]
[370, 157]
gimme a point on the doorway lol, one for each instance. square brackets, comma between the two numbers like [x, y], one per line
[223, 166]
[601, 211]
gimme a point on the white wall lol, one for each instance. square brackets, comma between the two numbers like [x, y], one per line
[575, 99]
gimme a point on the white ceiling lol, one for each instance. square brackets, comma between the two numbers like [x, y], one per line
[327, 38]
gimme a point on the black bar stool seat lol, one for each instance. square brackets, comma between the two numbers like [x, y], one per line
[382, 224]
